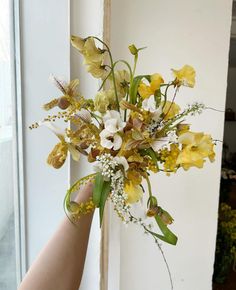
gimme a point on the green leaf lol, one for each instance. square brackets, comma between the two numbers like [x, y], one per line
[168, 236]
[150, 152]
[105, 191]
[157, 98]
[97, 189]
[134, 87]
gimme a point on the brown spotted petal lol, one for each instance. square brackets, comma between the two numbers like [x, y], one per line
[58, 155]
[84, 115]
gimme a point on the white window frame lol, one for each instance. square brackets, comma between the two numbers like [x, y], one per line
[18, 157]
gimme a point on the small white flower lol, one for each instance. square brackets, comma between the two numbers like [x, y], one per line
[113, 122]
[122, 161]
[110, 140]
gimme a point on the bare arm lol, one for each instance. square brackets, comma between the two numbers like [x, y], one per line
[60, 264]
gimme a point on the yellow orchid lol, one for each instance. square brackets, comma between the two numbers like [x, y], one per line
[133, 191]
[93, 56]
[170, 109]
[91, 52]
[146, 91]
[96, 69]
[185, 76]
[196, 147]
[58, 155]
[77, 42]
[70, 94]
[134, 176]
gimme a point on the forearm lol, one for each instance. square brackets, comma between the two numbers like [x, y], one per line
[60, 264]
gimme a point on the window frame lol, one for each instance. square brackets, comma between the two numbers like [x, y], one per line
[18, 154]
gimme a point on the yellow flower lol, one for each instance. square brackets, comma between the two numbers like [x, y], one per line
[170, 109]
[146, 91]
[70, 94]
[58, 155]
[196, 147]
[93, 56]
[77, 42]
[133, 191]
[96, 69]
[185, 76]
[91, 52]
[182, 128]
[134, 176]
[103, 99]
[122, 79]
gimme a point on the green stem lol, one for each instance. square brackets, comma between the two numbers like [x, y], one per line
[126, 63]
[149, 186]
[135, 64]
[165, 94]
[112, 69]
[170, 105]
[103, 82]
[125, 115]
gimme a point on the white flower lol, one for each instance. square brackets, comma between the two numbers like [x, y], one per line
[113, 122]
[149, 104]
[160, 143]
[122, 161]
[164, 141]
[110, 140]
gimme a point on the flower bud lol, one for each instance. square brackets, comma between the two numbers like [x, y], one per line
[133, 49]
[165, 216]
[152, 211]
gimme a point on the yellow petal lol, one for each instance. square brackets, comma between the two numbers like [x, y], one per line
[74, 152]
[144, 90]
[58, 155]
[185, 76]
[77, 42]
[96, 70]
[133, 191]
[156, 81]
[170, 109]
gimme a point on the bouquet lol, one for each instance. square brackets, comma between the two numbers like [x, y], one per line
[131, 128]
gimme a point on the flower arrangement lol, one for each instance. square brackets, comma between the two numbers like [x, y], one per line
[131, 128]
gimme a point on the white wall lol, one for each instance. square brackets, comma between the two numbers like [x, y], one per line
[87, 19]
[45, 50]
[177, 33]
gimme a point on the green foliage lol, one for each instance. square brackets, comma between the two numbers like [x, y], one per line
[226, 243]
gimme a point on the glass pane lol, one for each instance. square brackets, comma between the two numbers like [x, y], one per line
[7, 224]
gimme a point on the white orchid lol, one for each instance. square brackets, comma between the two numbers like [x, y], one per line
[149, 104]
[122, 161]
[158, 144]
[110, 140]
[113, 122]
